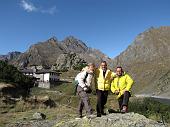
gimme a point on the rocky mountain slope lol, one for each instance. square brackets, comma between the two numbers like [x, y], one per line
[147, 60]
[10, 56]
[59, 54]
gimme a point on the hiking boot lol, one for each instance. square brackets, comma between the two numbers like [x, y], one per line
[103, 113]
[124, 109]
[99, 115]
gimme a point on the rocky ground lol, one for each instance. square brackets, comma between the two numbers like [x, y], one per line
[33, 123]
[111, 120]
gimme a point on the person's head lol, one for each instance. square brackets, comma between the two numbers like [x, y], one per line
[119, 71]
[91, 67]
[103, 65]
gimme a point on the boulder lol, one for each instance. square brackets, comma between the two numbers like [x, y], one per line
[45, 101]
[112, 120]
[39, 116]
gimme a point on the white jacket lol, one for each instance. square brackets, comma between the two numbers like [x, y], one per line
[81, 76]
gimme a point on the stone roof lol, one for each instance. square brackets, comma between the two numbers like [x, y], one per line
[46, 71]
[27, 71]
[39, 71]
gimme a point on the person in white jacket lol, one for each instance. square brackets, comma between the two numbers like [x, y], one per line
[84, 79]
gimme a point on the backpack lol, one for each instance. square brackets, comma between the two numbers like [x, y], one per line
[75, 83]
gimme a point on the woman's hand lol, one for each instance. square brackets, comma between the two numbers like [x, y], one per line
[116, 92]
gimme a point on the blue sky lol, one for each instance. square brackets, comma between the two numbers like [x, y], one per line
[107, 25]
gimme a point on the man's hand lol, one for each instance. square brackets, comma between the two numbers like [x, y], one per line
[116, 92]
[85, 88]
[112, 78]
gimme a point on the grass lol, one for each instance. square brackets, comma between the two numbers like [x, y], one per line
[61, 94]
[66, 96]
[52, 114]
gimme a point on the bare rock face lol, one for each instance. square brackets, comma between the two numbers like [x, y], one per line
[147, 60]
[71, 44]
[112, 120]
[10, 56]
[68, 61]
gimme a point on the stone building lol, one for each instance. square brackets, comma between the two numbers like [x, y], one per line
[44, 78]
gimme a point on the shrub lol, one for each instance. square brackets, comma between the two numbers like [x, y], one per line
[79, 66]
[151, 109]
[10, 74]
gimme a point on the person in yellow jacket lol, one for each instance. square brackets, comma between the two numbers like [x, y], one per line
[103, 78]
[121, 86]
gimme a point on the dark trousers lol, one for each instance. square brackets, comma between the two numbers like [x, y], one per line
[84, 101]
[124, 99]
[101, 100]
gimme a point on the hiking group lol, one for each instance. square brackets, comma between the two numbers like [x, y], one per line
[119, 82]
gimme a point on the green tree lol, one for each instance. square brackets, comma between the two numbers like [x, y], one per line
[79, 66]
[10, 74]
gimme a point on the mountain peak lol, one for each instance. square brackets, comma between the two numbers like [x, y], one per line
[52, 39]
[71, 37]
[74, 45]
[74, 40]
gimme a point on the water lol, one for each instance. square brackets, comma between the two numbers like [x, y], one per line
[157, 98]
[162, 100]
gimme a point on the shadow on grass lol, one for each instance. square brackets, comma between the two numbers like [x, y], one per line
[113, 111]
[61, 82]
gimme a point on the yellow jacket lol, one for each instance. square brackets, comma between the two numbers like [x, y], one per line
[121, 84]
[103, 83]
